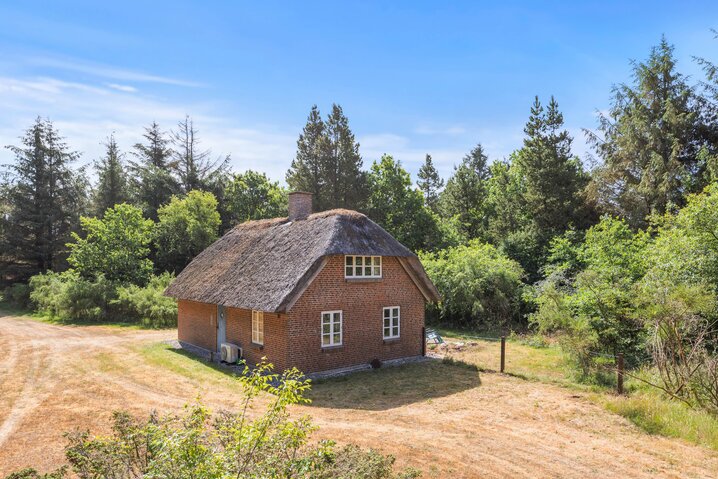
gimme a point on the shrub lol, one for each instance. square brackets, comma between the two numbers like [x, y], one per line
[147, 305]
[240, 445]
[48, 290]
[479, 285]
[17, 295]
[69, 297]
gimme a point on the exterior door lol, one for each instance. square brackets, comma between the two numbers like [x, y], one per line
[221, 327]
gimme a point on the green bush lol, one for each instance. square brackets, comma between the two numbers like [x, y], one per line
[148, 305]
[48, 292]
[17, 295]
[262, 444]
[479, 286]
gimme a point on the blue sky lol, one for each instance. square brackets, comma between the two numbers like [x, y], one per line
[413, 77]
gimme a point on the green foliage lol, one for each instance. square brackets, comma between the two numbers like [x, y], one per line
[595, 310]
[430, 184]
[479, 285]
[328, 164]
[112, 182]
[152, 182]
[147, 305]
[186, 227]
[253, 196]
[17, 294]
[197, 444]
[399, 208]
[115, 246]
[466, 192]
[649, 142]
[44, 198]
[30, 473]
[195, 168]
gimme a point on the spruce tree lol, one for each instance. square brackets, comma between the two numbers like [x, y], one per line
[328, 163]
[153, 181]
[648, 142]
[112, 182]
[44, 200]
[195, 168]
[306, 173]
[430, 183]
[346, 183]
[465, 193]
[553, 179]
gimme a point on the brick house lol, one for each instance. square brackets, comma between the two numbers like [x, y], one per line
[316, 291]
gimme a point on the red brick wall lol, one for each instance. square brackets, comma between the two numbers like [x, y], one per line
[239, 332]
[197, 324]
[362, 302]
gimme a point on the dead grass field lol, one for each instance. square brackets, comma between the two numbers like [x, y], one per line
[448, 420]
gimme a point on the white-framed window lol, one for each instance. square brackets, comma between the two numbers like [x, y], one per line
[331, 328]
[391, 320]
[258, 327]
[362, 266]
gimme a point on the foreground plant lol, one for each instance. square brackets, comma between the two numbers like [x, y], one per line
[200, 445]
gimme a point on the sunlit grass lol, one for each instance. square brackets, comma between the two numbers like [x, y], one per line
[645, 406]
[163, 355]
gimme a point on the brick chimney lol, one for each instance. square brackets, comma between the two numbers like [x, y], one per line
[300, 205]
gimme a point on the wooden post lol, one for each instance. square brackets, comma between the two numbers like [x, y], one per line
[503, 353]
[619, 374]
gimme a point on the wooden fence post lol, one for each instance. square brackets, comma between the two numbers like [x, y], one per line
[503, 353]
[619, 374]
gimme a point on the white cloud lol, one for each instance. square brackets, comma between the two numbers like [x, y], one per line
[104, 71]
[86, 114]
[124, 88]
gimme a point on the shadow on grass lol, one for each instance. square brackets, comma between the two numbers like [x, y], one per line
[392, 387]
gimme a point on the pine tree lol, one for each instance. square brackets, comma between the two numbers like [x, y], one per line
[153, 182]
[430, 183]
[648, 142]
[112, 184]
[346, 183]
[44, 199]
[553, 179]
[306, 172]
[196, 168]
[465, 193]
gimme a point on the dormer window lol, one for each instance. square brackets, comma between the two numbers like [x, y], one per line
[362, 266]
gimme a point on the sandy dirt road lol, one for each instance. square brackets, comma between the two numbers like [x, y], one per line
[57, 378]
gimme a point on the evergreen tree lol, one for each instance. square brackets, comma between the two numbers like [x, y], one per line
[306, 172]
[112, 184]
[328, 163]
[44, 199]
[346, 183]
[153, 182]
[648, 142]
[399, 208]
[553, 179]
[430, 183]
[196, 168]
[465, 193]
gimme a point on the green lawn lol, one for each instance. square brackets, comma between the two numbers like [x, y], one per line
[643, 405]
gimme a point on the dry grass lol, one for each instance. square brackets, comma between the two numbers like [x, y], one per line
[445, 418]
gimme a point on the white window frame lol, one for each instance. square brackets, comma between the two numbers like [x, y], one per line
[258, 327]
[332, 323]
[351, 268]
[391, 326]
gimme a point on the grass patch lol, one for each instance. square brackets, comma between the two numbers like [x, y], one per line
[644, 406]
[390, 387]
[185, 364]
[658, 415]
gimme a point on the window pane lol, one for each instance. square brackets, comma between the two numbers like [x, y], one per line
[386, 322]
[386, 313]
[396, 312]
[360, 260]
[348, 271]
[367, 271]
[337, 337]
[396, 331]
[337, 327]
[377, 271]
[326, 317]
[325, 340]
[349, 260]
[326, 329]
[359, 270]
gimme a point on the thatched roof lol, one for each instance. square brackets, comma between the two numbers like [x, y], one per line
[266, 265]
